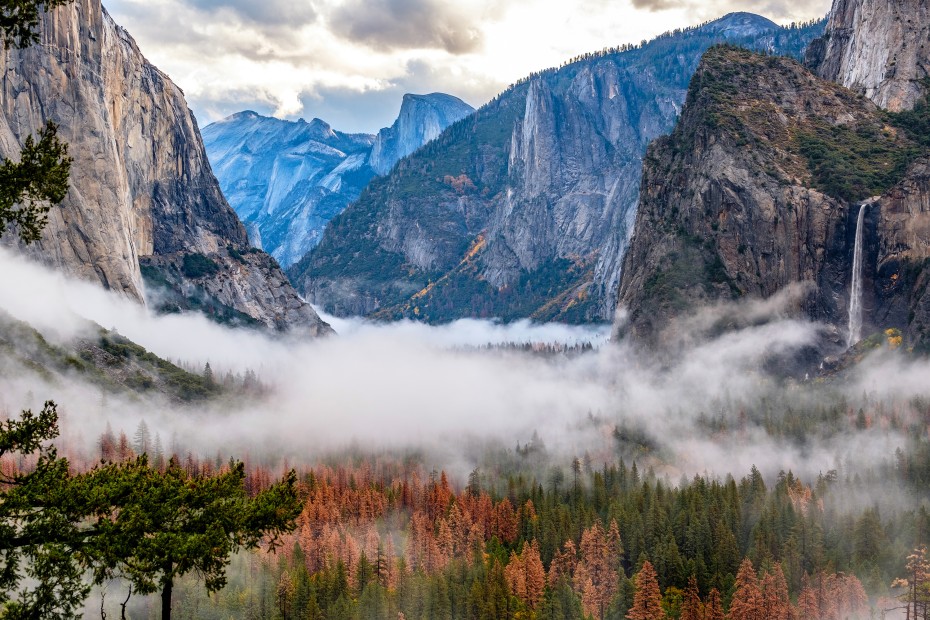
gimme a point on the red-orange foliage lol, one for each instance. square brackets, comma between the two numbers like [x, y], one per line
[713, 608]
[504, 522]
[596, 572]
[832, 597]
[563, 563]
[535, 574]
[526, 576]
[647, 600]
[691, 607]
[747, 603]
[776, 604]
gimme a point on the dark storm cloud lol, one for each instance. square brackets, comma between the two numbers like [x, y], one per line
[408, 24]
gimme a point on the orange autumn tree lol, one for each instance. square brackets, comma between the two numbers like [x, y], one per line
[776, 604]
[563, 563]
[747, 599]
[525, 575]
[713, 609]
[826, 596]
[596, 573]
[916, 596]
[647, 599]
[691, 607]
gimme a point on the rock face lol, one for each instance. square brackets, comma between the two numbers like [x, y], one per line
[878, 48]
[287, 180]
[525, 209]
[758, 189]
[422, 118]
[898, 268]
[141, 184]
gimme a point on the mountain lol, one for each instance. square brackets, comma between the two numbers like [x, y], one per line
[101, 358]
[142, 190]
[422, 118]
[878, 49]
[760, 187]
[523, 209]
[287, 180]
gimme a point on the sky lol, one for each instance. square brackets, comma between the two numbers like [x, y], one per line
[349, 62]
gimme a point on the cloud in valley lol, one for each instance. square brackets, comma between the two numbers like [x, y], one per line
[409, 386]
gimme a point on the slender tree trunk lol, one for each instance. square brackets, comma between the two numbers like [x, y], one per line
[122, 605]
[166, 599]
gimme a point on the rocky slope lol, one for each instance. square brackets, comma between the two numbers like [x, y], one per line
[523, 209]
[141, 184]
[758, 189]
[287, 180]
[878, 48]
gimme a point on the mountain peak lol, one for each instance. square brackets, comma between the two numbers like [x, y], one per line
[245, 115]
[422, 118]
[740, 24]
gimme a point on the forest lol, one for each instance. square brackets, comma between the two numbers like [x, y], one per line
[528, 534]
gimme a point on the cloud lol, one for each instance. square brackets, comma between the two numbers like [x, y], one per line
[658, 5]
[408, 387]
[410, 24]
[792, 10]
[316, 59]
[295, 13]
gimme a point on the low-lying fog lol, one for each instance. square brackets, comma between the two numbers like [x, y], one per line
[430, 389]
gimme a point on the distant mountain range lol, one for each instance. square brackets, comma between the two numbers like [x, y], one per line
[286, 180]
[525, 208]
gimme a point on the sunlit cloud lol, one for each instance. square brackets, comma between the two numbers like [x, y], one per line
[349, 62]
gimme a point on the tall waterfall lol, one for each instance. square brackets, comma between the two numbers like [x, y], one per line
[855, 293]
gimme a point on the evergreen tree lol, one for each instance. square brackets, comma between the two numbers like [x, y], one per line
[747, 601]
[165, 525]
[713, 609]
[30, 187]
[142, 440]
[647, 600]
[691, 607]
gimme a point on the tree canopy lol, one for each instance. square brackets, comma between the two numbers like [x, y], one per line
[19, 20]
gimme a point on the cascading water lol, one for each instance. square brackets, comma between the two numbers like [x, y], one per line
[855, 293]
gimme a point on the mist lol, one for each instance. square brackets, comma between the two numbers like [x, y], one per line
[437, 391]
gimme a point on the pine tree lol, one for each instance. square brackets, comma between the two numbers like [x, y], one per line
[108, 444]
[691, 607]
[284, 593]
[596, 565]
[713, 609]
[776, 604]
[747, 599]
[647, 600]
[916, 596]
[142, 440]
[535, 574]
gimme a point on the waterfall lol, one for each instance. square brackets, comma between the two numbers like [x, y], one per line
[855, 293]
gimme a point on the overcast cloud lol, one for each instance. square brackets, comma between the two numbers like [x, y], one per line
[350, 61]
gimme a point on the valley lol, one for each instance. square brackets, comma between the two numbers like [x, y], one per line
[644, 336]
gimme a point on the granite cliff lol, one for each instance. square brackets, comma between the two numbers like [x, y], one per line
[877, 48]
[142, 189]
[523, 209]
[759, 188]
[287, 180]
